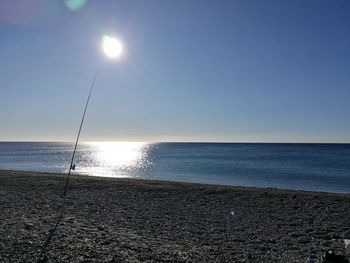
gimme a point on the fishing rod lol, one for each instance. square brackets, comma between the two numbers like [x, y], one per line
[72, 165]
[42, 257]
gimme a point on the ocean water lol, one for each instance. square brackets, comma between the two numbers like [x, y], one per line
[315, 167]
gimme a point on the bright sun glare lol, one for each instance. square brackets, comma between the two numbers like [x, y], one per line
[111, 46]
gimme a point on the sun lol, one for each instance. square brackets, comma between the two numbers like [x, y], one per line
[111, 46]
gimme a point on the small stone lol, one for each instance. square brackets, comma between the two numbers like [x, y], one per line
[28, 226]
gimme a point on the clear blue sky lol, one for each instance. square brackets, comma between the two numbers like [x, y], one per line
[192, 71]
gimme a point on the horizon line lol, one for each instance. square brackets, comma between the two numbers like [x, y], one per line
[140, 141]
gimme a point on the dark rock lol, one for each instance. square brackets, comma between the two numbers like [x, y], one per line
[28, 226]
[42, 259]
[331, 257]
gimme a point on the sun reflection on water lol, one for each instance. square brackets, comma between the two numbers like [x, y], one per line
[114, 159]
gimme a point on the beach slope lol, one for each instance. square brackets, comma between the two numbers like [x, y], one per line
[128, 220]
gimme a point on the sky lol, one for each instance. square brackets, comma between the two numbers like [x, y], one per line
[231, 71]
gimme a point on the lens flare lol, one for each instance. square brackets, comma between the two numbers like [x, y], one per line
[75, 5]
[111, 46]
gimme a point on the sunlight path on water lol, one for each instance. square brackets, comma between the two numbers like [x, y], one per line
[113, 159]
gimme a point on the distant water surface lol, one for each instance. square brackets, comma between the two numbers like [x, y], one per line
[316, 167]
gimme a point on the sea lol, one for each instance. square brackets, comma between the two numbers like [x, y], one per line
[312, 167]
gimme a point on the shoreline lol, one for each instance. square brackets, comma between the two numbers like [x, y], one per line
[141, 220]
[87, 177]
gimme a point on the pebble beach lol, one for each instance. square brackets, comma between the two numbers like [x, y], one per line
[130, 220]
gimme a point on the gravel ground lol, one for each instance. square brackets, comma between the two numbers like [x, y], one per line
[128, 220]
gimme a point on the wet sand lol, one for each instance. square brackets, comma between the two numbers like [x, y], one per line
[128, 220]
